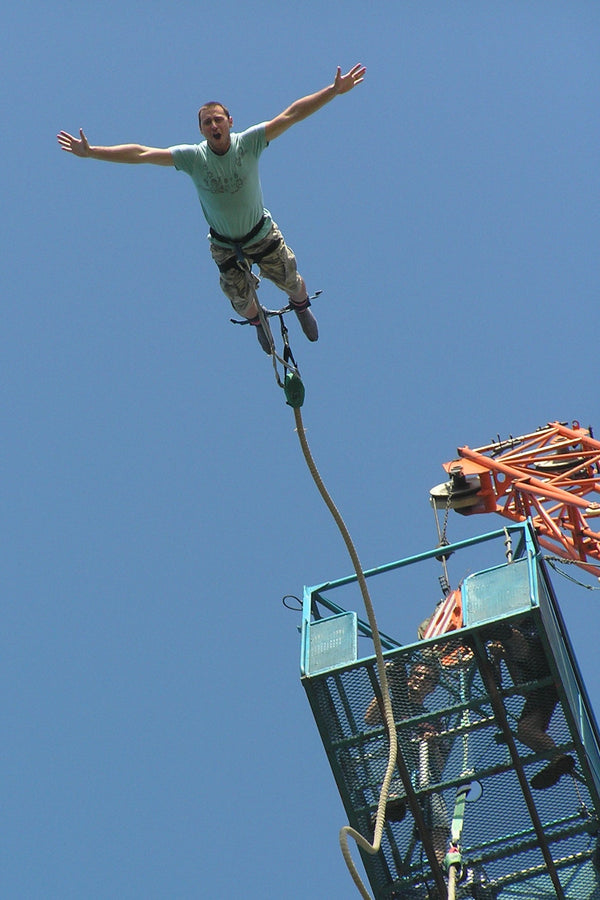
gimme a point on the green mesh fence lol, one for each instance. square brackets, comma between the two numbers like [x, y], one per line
[498, 706]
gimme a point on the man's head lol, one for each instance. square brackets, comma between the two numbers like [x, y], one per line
[422, 678]
[215, 124]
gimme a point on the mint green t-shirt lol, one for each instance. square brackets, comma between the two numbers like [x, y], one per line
[228, 186]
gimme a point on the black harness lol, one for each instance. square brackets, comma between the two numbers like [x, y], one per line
[237, 244]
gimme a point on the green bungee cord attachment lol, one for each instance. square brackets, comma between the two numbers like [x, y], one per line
[294, 390]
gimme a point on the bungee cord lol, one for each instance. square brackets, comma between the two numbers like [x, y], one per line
[294, 392]
[347, 831]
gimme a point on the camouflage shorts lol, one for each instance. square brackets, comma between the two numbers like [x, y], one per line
[278, 266]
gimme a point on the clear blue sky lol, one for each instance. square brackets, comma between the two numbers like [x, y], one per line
[156, 505]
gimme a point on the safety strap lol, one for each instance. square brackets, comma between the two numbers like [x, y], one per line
[459, 812]
[288, 356]
[300, 307]
[242, 240]
[454, 856]
[242, 255]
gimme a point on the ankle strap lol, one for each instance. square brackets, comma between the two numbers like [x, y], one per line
[300, 307]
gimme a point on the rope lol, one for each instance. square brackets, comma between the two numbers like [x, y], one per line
[347, 831]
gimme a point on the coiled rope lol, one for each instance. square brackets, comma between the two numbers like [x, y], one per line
[347, 831]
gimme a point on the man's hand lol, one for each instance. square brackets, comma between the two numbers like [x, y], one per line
[118, 153]
[306, 106]
[70, 144]
[345, 83]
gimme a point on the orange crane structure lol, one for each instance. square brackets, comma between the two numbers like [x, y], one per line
[551, 476]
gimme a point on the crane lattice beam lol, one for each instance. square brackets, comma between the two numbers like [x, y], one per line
[551, 476]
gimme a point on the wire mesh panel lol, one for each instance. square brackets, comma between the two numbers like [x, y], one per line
[495, 711]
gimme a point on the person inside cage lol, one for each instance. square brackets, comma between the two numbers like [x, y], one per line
[424, 751]
[523, 653]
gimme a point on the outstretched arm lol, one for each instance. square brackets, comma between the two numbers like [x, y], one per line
[122, 153]
[306, 106]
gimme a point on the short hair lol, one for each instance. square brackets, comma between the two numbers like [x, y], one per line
[209, 105]
[430, 666]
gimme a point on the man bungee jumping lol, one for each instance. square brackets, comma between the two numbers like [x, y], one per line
[224, 169]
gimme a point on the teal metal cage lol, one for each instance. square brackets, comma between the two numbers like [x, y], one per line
[516, 841]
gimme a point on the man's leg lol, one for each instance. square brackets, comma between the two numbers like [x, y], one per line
[534, 721]
[533, 730]
[240, 288]
[277, 263]
[307, 320]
